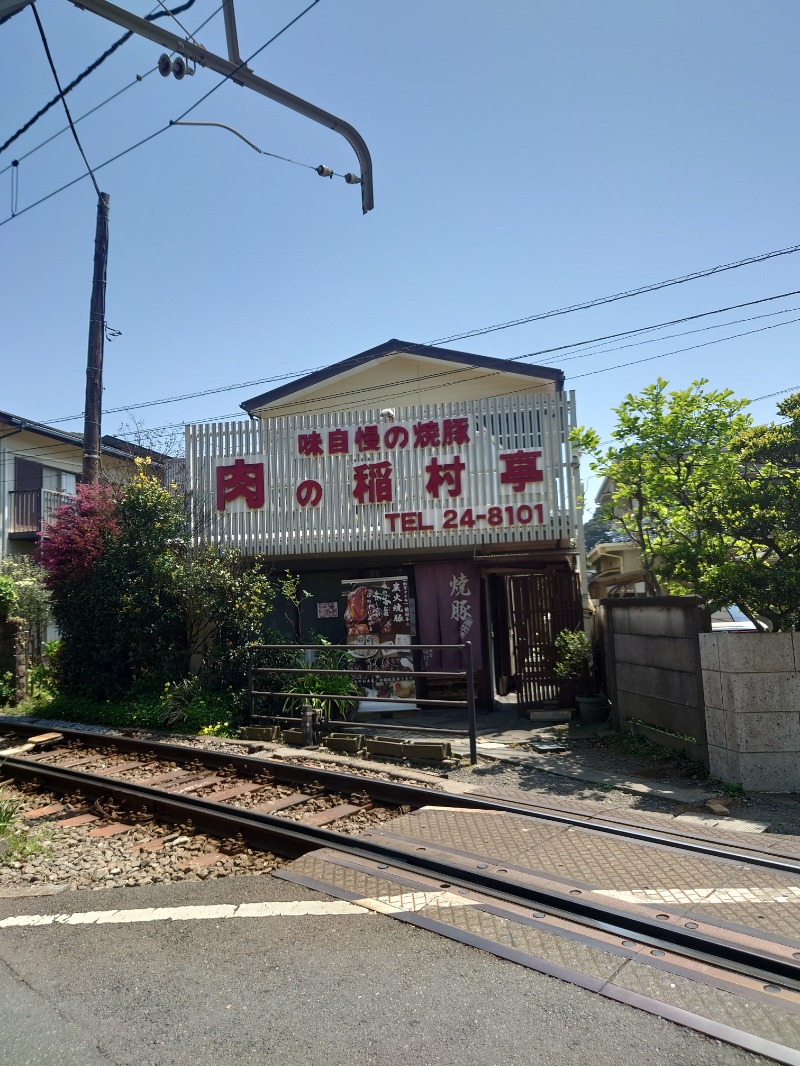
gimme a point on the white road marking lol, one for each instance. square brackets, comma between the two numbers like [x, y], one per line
[412, 902]
[790, 894]
[301, 908]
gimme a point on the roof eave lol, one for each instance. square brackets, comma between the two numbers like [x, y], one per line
[393, 347]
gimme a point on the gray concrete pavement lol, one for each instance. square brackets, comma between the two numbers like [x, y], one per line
[342, 990]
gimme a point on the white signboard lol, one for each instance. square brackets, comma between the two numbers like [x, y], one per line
[479, 472]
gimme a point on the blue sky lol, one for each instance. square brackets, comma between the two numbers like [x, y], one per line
[527, 156]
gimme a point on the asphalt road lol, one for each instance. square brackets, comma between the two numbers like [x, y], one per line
[338, 990]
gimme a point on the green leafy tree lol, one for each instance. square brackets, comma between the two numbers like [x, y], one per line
[760, 512]
[8, 597]
[711, 500]
[113, 562]
[672, 453]
[138, 610]
[227, 598]
[602, 530]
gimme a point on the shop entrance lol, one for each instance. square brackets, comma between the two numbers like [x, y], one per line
[528, 610]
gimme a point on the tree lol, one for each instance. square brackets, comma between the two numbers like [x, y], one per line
[711, 500]
[136, 607]
[602, 530]
[113, 563]
[761, 513]
[671, 453]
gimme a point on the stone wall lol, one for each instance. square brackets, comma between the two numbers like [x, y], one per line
[751, 683]
[14, 655]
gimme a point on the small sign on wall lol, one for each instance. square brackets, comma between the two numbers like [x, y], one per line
[327, 610]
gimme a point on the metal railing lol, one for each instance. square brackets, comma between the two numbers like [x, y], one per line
[32, 509]
[466, 675]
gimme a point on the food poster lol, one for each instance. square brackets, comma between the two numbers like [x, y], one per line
[377, 619]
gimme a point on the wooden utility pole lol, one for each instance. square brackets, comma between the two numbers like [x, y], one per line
[94, 361]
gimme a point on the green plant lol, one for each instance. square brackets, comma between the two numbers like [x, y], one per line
[43, 674]
[7, 688]
[8, 596]
[178, 698]
[294, 595]
[331, 694]
[8, 813]
[573, 654]
[18, 841]
[33, 600]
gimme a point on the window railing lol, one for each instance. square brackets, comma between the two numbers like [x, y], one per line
[31, 509]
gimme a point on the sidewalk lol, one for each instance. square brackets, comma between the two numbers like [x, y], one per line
[504, 737]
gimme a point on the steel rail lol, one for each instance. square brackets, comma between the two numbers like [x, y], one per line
[415, 795]
[292, 839]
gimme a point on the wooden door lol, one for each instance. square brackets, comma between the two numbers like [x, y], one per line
[541, 604]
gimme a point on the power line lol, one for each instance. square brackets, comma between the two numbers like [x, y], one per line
[624, 295]
[657, 325]
[671, 336]
[162, 129]
[691, 348]
[136, 81]
[85, 73]
[496, 373]
[780, 392]
[184, 396]
[529, 355]
[62, 97]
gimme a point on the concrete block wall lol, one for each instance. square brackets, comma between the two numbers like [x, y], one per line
[751, 683]
[652, 664]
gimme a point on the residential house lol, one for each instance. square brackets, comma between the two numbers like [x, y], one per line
[40, 467]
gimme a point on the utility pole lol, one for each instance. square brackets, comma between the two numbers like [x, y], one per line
[94, 359]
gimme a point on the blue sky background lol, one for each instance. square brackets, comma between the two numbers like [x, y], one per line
[527, 155]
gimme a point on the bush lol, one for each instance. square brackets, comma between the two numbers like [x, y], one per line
[8, 597]
[150, 712]
[573, 654]
[136, 609]
[33, 601]
[7, 688]
[112, 565]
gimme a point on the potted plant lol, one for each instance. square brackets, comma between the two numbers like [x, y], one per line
[574, 668]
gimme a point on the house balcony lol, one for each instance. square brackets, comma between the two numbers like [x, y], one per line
[31, 509]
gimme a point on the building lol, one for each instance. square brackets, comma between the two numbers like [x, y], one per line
[615, 569]
[424, 496]
[40, 467]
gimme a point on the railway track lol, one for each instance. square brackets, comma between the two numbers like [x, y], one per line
[405, 864]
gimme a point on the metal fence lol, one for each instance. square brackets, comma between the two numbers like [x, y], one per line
[466, 675]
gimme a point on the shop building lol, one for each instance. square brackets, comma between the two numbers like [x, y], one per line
[445, 473]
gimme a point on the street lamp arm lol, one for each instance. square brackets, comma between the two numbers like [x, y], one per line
[242, 75]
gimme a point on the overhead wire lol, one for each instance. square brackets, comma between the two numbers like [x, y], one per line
[671, 336]
[62, 97]
[494, 373]
[169, 125]
[458, 370]
[138, 79]
[655, 326]
[85, 74]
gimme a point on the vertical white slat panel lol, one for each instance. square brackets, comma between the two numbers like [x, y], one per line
[339, 524]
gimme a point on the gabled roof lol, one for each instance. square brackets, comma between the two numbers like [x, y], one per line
[397, 347]
[60, 435]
